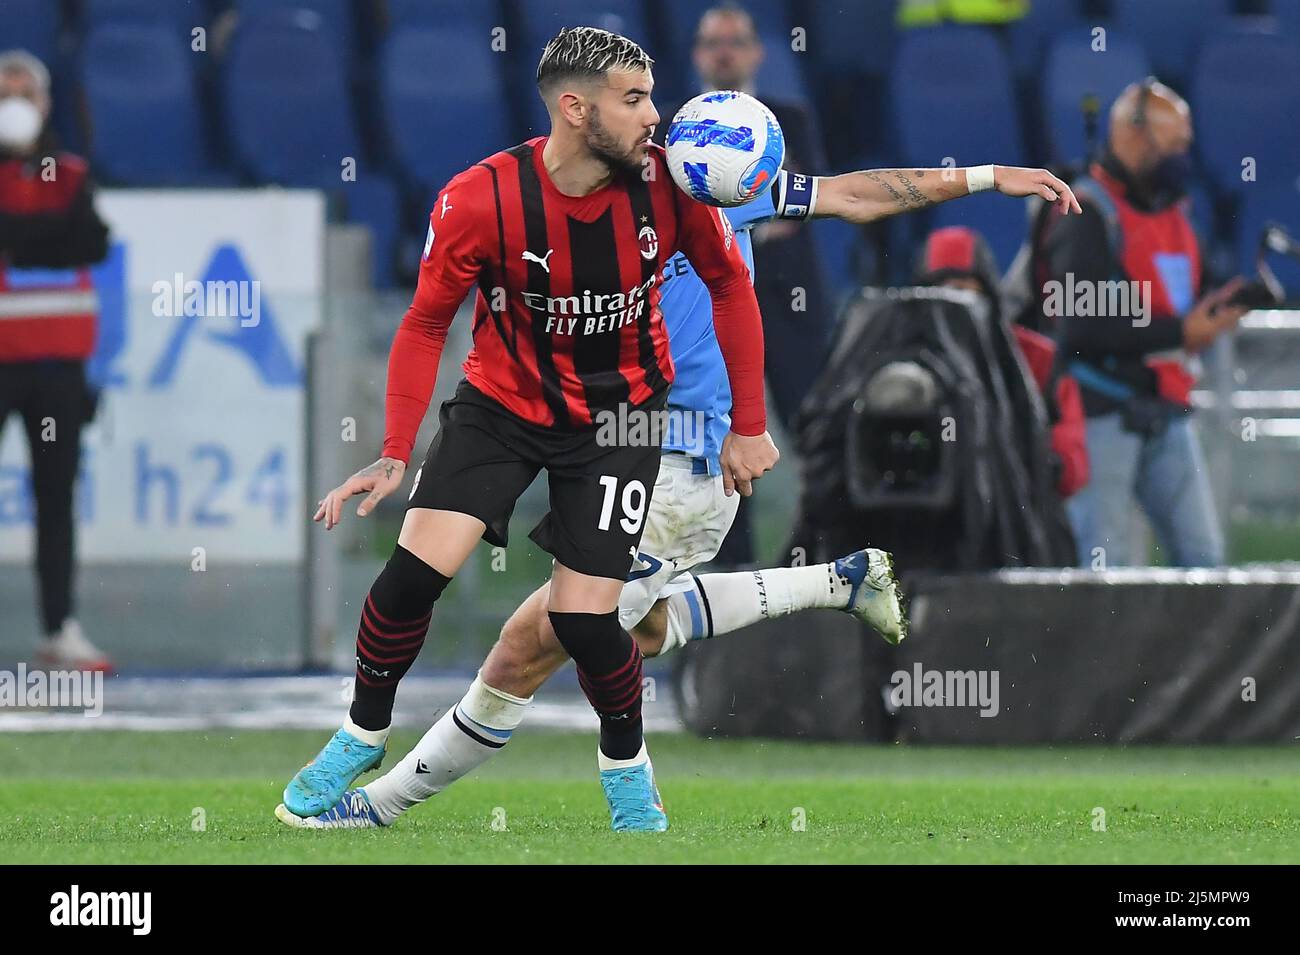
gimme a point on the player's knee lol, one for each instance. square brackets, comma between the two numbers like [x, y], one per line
[652, 631]
[594, 640]
[407, 587]
[526, 639]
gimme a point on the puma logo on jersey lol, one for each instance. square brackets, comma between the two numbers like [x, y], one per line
[530, 257]
[445, 206]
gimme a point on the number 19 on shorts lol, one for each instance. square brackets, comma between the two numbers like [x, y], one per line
[632, 501]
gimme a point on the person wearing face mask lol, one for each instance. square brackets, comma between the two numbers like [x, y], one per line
[1123, 289]
[49, 235]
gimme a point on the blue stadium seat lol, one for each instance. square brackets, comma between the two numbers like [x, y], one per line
[857, 36]
[143, 106]
[1261, 206]
[542, 21]
[180, 16]
[851, 50]
[1200, 201]
[966, 110]
[335, 17]
[538, 123]
[1002, 221]
[1073, 71]
[1245, 83]
[781, 75]
[1031, 35]
[1288, 16]
[31, 25]
[286, 104]
[481, 15]
[838, 244]
[374, 201]
[67, 114]
[437, 129]
[1171, 31]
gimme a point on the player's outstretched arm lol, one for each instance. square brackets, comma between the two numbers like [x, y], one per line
[873, 194]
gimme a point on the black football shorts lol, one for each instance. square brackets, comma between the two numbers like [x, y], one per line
[484, 456]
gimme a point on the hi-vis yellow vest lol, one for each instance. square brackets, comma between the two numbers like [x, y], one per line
[924, 13]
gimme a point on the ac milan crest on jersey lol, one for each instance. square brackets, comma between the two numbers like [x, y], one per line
[648, 241]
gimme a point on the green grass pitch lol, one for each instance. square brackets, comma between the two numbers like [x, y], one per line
[110, 797]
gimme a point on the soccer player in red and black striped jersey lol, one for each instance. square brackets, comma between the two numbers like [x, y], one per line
[565, 237]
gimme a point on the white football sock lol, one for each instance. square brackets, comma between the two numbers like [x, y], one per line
[604, 762]
[720, 603]
[468, 734]
[369, 737]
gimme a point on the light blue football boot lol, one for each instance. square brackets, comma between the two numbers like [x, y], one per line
[353, 811]
[634, 801]
[873, 594]
[322, 782]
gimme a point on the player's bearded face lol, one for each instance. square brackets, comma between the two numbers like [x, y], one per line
[624, 151]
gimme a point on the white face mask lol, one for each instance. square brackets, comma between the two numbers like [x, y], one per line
[20, 123]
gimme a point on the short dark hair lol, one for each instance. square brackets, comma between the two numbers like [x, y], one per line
[587, 52]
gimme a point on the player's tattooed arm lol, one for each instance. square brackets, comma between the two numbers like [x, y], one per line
[376, 481]
[904, 192]
[873, 194]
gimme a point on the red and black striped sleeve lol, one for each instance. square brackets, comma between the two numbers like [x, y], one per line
[453, 256]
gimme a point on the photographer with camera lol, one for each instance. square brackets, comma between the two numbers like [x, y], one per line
[1134, 237]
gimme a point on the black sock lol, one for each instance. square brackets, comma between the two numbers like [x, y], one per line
[394, 623]
[609, 671]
